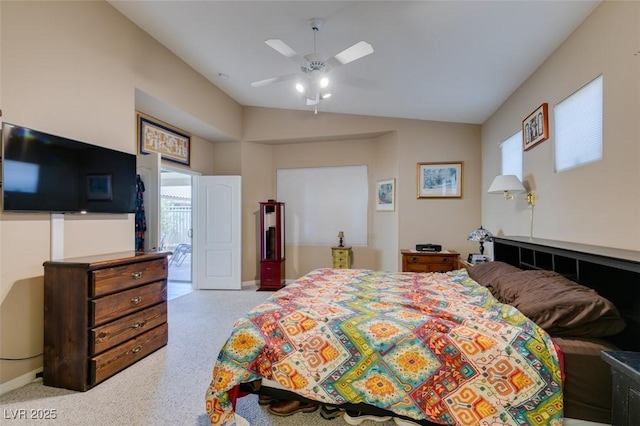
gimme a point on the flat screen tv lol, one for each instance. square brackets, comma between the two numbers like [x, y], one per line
[47, 173]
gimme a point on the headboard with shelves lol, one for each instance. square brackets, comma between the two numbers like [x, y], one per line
[613, 273]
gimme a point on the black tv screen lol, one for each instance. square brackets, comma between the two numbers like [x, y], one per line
[47, 173]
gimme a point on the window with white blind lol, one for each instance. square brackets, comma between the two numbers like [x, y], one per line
[321, 201]
[578, 127]
[511, 149]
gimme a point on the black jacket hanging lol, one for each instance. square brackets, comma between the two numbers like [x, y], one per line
[141, 221]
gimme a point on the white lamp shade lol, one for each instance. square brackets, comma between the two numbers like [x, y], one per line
[503, 183]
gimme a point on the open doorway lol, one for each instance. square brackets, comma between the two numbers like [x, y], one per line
[176, 229]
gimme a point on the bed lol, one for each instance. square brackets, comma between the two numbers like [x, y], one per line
[611, 273]
[437, 348]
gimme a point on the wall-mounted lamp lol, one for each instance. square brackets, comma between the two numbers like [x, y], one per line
[507, 184]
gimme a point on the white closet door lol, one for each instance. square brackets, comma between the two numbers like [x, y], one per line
[217, 213]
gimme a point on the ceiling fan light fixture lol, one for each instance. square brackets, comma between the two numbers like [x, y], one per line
[315, 69]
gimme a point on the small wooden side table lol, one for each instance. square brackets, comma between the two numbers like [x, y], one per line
[342, 257]
[425, 261]
[625, 374]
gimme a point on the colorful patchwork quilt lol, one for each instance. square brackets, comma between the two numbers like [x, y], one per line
[434, 346]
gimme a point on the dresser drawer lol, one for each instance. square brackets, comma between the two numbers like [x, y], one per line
[424, 260]
[116, 305]
[428, 267]
[415, 267]
[109, 280]
[107, 364]
[115, 332]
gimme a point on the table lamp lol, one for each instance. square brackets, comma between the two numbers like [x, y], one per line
[481, 235]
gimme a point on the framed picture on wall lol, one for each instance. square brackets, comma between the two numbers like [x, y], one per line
[386, 199]
[170, 143]
[535, 128]
[440, 180]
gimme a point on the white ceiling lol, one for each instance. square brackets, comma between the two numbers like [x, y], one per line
[450, 60]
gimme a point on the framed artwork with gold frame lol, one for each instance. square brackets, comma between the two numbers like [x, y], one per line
[439, 180]
[171, 143]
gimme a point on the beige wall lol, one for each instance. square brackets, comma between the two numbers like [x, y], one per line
[90, 90]
[384, 239]
[258, 184]
[74, 71]
[391, 148]
[598, 203]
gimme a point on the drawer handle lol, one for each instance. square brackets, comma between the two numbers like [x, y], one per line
[136, 300]
[136, 350]
[414, 259]
[136, 275]
[445, 259]
[138, 325]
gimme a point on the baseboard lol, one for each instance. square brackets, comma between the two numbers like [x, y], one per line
[19, 382]
[253, 283]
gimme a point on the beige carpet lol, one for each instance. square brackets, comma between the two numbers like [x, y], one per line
[167, 387]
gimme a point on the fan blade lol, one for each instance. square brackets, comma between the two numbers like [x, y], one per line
[273, 80]
[284, 49]
[350, 54]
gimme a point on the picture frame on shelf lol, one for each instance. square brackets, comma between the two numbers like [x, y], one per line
[535, 128]
[99, 187]
[386, 195]
[172, 144]
[440, 180]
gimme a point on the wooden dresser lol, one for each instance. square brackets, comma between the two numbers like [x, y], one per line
[342, 257]
[101, 314]
[427, 261]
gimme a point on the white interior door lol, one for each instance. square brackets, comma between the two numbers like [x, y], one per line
[217, 216]
[148, 167]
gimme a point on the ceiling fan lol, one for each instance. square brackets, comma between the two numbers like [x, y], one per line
[314, 81]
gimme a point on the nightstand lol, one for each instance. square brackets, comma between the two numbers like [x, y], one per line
[425, 261]
[625, 374]
[342, 257]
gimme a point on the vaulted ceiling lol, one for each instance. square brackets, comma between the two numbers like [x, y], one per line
[452, 61]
